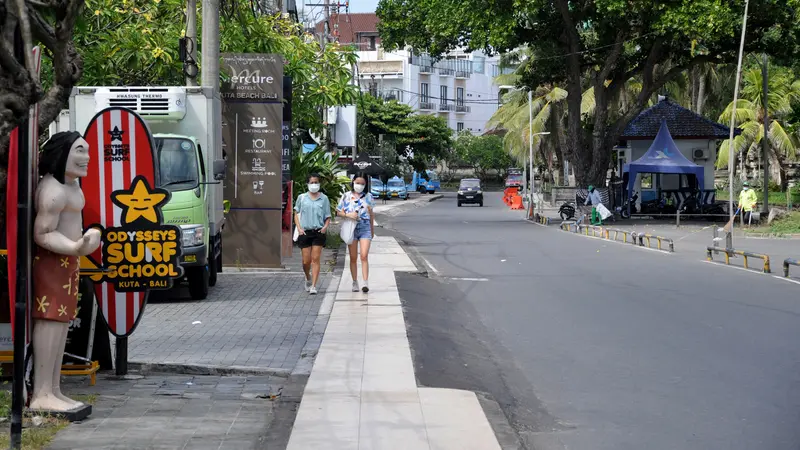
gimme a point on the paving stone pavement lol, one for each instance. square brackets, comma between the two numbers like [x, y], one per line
[256, 320]
[173, 412]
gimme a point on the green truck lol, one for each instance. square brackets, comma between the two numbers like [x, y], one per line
[190, 163]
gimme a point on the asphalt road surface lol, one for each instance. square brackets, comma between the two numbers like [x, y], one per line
[587, 344]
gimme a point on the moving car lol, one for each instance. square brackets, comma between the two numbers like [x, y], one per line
[469, 191]
[514, 178]
[397, 188]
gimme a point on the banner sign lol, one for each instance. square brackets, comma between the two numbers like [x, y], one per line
[139, 252]
[142, 253]
[253, 132]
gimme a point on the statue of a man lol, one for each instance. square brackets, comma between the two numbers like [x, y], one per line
[58, 233]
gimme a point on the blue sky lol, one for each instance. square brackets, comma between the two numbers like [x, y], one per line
[363, 5]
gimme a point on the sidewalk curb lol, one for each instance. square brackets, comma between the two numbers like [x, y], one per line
[204, 369]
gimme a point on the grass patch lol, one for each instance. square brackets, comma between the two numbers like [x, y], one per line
[775, 198]
[789, 224]
[36, 438]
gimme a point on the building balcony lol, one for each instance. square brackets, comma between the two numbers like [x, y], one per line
[426, 106]
[463, 109]
[445, 72]
[463, 74]
[444, 107]
[426, 70]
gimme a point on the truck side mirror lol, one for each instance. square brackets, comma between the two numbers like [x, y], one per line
[220, 169]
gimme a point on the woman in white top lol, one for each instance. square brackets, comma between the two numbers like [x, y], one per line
[357, 205]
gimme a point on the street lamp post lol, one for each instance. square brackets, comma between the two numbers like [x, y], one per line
[531, 134]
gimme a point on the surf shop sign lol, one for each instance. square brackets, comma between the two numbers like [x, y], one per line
[142, 253]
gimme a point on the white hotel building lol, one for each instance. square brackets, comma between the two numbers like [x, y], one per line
[459, 87]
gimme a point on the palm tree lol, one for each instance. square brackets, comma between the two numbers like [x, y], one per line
[783, 94]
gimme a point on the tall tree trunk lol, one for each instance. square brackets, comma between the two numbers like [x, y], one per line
[559, 140]
[701, 93]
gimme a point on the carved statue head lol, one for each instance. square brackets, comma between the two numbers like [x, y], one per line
[66, 154]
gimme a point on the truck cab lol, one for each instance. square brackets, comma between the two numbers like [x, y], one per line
[429, 182]
[188, 148]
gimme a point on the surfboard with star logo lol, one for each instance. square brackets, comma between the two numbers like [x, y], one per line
[121, 148]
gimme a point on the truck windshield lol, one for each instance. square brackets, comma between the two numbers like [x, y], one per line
[177, 163]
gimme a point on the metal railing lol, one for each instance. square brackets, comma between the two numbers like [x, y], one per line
[463, 74]
[445, 72]
[744, 254]
[426, 105]
[463, 109]
[426, 69]
[649, 238]
[617, 232]
[789, 262]
[446, 107]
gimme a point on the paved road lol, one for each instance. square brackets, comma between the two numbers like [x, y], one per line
[587, 344]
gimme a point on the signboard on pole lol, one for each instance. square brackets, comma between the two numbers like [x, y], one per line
[252, 105]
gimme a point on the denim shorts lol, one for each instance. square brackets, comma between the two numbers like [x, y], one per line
[363, 230]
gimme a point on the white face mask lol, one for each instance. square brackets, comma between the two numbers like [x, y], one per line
[359, 188]
[313, 188]
[746, 188]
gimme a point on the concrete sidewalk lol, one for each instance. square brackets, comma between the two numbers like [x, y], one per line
[362, 392]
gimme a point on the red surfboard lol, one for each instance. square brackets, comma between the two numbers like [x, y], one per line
[121, 148]
[12, 199]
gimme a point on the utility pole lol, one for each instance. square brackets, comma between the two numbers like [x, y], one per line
[191, 39]
[324, 43]
[765, 139]
[210, 59]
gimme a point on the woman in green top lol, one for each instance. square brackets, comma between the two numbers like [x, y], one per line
[312, 217]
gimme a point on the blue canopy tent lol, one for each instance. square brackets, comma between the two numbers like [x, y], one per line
[663, 157]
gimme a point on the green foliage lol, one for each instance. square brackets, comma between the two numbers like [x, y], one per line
[482, 153]
[325, 165]
[599, 44]
[135, 43]
[419, 139]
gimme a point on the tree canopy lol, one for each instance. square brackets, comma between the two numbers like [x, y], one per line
[135, 42]
[419, 138]
[598, 44]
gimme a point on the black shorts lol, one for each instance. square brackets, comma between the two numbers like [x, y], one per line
[312, 238]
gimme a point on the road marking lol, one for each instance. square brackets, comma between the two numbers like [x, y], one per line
[430, 266]
[468, 279]
[720, 264]
[787, 279]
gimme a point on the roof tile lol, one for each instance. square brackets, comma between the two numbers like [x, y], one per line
[682, 123]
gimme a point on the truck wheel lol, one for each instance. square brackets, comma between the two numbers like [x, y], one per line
[212, 271]
[198, 282]
[431, 192]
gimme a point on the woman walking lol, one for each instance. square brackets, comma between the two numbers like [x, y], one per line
[357, 205]
[312, 217]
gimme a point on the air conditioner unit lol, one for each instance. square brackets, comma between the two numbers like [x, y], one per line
[159, 103]
[700, 153]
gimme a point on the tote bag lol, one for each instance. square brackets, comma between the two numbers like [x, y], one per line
[347, 231]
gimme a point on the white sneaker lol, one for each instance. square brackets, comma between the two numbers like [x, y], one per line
[365, 287]
[308, 285]
[355, 286]
[312, 290]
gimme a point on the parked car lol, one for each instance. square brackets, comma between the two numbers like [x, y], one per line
[397, 188]
[377, 188]
[469, 191]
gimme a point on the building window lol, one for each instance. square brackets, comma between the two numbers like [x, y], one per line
[460, 96]
[460, 126]
[443, 94]
[372, 42]
[423, 92]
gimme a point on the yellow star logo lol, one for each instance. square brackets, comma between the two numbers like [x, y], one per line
[62, 311]
[140, 201]
[42, 304]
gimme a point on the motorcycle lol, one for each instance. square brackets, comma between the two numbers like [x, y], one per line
[623, 210]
